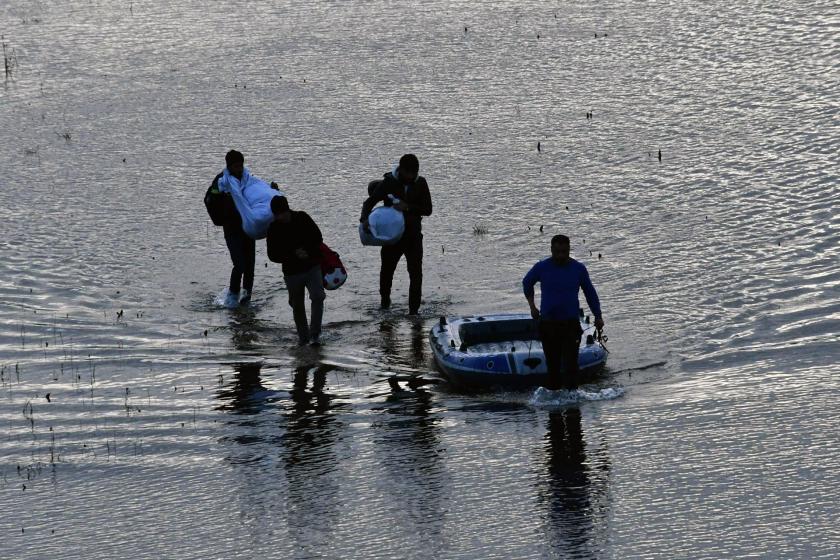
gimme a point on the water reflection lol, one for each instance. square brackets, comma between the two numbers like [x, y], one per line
[575, 493]
[245, 394]
[247, 438]
[389, 343]
[407, 437]
[309, 459]
[245, 328]
[295, 431]
[419, 345]
[403, 349]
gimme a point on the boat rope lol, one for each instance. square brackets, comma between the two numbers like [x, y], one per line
[602, 339]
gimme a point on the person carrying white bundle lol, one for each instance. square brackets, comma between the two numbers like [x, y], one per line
[413, 200]
[240, 240]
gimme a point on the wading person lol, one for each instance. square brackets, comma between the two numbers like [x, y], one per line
[411, 190]
[561, 278]
[240, 246]
[295, 241]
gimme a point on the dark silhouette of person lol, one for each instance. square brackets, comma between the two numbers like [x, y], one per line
[241, 247]
[405, 184]
[295, 241]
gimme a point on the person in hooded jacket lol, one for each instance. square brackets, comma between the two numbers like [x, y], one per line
[411, 190]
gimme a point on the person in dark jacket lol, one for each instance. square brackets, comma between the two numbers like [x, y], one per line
[415, 201]
[242, 248]
[295, 241]
[561, 278]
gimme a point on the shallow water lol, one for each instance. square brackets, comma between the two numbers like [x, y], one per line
[178, 429]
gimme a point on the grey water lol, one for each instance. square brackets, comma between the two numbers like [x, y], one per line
[140, 419]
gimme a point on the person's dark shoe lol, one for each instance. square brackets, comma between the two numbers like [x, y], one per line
[303, 341]
[315, 340]
[385, 302]
[244, 297]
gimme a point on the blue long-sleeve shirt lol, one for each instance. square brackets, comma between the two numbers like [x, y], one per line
[560, 285]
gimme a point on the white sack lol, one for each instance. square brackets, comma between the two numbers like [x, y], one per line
[387, 225]
[252, 197]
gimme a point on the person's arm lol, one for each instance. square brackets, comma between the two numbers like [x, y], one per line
[378, 195]
[313, 238]
[591, 298]
[276, 244]
[528, 284]
[310, 237]
[423, 205]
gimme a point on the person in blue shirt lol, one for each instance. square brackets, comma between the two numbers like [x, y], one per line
[561, 278]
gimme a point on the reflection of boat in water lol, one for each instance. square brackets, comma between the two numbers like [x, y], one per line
[501, 349]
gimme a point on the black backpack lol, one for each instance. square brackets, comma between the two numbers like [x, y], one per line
[220, 207]
[373, 185]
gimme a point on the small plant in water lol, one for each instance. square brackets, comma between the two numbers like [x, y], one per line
[66, 135]
[10, 61]
[479, 229]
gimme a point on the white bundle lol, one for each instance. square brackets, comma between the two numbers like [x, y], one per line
[387, 225]
[252, 197]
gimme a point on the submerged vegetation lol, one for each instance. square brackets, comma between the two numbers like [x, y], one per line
[10, 61]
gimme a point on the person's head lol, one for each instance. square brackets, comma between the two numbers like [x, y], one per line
[409, 168]
[560, 248]
[280, 209]
[235, 163]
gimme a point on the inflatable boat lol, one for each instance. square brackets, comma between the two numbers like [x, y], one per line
[502, 350]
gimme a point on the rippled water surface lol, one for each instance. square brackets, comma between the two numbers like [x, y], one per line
[139, 419]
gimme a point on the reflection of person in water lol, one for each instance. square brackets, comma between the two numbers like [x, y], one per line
[304, 441]
[242, 396]
[245, 329]
[408, 449]
[308, 457]
[418, 345]
[572, 484]
[315, 400]
[246, 438]
[404, 350]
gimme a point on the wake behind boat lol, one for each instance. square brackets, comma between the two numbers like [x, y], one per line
[502, 349]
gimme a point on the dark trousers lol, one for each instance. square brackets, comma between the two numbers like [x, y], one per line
[561, 341]
[243, 256]
[412, 247]
[297, 284]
